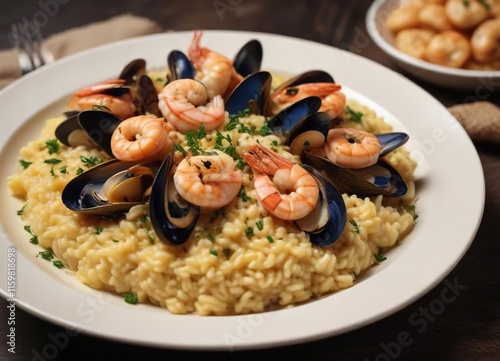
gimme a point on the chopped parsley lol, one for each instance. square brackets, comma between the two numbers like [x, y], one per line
[214, 252]
[230, 149]
[234, 122]
[52, 146]
[144, 218]
[265, 130]
[90, 161]
[46, 255]
[270, 239]
[115, 240]
[21, 212]
[98, 230]
[52, 161]
[379, 257]
[34, 238]
[211, 238]
[243, 195]
[79, 171]
[355, 225]
[25, 164]
[130, 298]
[58, 264]
[355, 116]
[249, 231]
[180, 148]
[193, 140]
[63, 169]
[412, 211]
[259, 225]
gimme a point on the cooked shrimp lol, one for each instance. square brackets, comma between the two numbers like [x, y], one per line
[485, 41]
[92, 97]
[352, 148]
[404, 17]
[292, 192]
[449, 48]
[208, 180]
[214, 70]
[434, 16]
[466, 14]
[184, 104]
[332, 99]
[413, 41]
[141, 138]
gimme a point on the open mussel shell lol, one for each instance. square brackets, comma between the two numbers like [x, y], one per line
[251, 93]
[70, 133]
[110, 188]
[147, 97]
[172, 217]
[311, 76]
[287, 119]
[380, 178]
[99, 126]
[308, 133]
[326, 222]
[248, 60]
[132, 71]
[180, 66]
[391, 141]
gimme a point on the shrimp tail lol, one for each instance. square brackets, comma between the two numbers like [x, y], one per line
[264, 160]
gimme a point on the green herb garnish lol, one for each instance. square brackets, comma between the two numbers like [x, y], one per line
[249, 232]
[243, 195]
[58, 264]
[21, 211]
[52, 161]
[355, 115]
[270, 239]
[90, 161]
[34, 238]
[379, 257]
[79, 171]
[46, 255]
[259, 225]
[25, 164]
[52, 146]
[214, 252]
[63, 169]
[98, 230]
[130, 298]
[355, 225]
[412, 211]
[265, 130]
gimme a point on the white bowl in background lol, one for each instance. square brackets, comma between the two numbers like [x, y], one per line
[457, 79]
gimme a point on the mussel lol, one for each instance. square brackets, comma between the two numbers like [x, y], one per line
[147, 97]
[326, 222]
[380, 178]
[311, 76]
[251, 93]
[172, 217]
[179, 65]
[99, 127]
[248, 60]
[110, 188]
[133, 71]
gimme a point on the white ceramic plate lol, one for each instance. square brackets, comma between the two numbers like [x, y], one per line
[450, 191]
[477, 81]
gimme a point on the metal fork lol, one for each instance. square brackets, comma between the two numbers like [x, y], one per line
[28, 42]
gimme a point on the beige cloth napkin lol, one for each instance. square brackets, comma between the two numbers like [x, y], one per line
[77, 39]
[480, 119]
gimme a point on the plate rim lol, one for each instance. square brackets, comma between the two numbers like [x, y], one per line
[277, 315]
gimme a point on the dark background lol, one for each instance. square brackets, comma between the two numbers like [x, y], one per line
[467, 329]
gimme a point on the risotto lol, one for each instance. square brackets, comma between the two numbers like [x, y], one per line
[239, 259]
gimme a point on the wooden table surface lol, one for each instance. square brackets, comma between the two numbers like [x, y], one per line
[469, 327]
